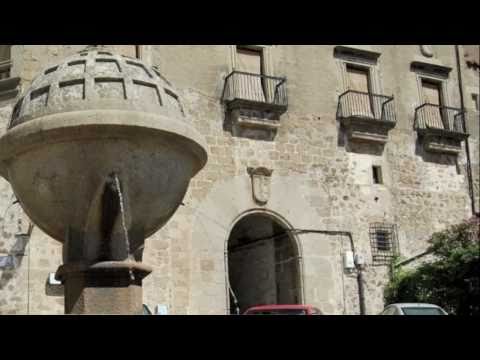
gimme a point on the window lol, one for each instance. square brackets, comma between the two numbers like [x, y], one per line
[431, 92]
[256, 59]
[9, 84]
[250, 87]
[422, 311]
[359, 68]
[249, 60]
[358, 78]
[475, 101]
[377, 174]
[432, 95]
[383, 240]
[146, 310]
[5, 61]
[359, 81]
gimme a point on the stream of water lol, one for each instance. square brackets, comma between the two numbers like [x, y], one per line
[124, 225]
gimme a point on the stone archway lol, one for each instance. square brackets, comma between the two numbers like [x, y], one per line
[264, 264]
[227, 202]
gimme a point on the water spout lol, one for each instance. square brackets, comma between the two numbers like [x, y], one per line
[122, 213]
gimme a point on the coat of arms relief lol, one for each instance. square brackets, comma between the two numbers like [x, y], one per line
[261, 179]
[426, 50]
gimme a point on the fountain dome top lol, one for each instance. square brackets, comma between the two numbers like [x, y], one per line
[96, 78]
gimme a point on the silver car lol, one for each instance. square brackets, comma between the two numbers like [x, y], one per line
[413, 309]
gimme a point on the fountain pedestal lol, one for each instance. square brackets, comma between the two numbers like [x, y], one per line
[100, 155]
[108, 288]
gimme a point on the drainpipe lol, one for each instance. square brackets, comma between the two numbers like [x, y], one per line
[464, 123]
[361, 288]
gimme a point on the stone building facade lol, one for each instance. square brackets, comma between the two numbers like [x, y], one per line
[315, 152]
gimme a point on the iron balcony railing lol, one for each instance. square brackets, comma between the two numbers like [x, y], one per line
[431, 116]
[354, 103]
[255, 88]
[5, 67]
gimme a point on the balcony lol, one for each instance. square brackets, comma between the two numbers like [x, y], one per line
[255, 101]
[8, 86]
[366, 117]
[440, 128]
[261, 92]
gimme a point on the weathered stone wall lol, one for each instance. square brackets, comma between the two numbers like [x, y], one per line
[471, 86]
[24, 289]
[317, 182]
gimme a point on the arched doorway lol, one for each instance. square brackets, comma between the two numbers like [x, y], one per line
[263, 263]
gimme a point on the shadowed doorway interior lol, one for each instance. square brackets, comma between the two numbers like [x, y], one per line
[263, 264]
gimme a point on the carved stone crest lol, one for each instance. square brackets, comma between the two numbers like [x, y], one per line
[260, 184]
[426, 50]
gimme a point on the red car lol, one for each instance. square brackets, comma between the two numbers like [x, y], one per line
[283, 310]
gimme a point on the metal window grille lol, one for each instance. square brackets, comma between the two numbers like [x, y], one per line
[384, 242]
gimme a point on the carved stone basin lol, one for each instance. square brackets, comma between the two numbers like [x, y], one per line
[93, 122]
[59, 164]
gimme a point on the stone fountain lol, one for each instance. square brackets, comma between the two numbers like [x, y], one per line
[100, 155]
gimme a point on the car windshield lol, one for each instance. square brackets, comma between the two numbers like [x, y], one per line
[146, 310]
[280, 312]
[422, 311]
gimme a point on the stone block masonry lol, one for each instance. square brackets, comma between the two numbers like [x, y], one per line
[318, 181]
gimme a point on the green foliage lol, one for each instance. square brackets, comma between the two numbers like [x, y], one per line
[451, 280]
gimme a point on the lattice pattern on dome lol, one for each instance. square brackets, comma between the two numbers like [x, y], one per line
[96, 79]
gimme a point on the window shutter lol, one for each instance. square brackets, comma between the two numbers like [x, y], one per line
[249, 61]
[250, 87]
[358, 79]
[432, 95]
